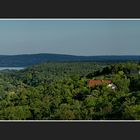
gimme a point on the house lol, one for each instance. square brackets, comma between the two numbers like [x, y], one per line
[93, 83]
[112, 86]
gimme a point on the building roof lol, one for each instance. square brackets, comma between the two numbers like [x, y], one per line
[93, 83]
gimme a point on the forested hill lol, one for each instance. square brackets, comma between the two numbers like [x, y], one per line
[61, 91]
[30, 59]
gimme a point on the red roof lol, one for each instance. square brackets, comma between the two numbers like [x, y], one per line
[93, 83]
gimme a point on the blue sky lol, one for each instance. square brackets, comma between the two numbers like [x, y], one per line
[76, 37]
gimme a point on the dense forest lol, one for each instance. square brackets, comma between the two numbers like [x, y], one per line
[60, 91]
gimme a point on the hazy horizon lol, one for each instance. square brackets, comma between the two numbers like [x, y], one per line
[70, 54]
[70, 37]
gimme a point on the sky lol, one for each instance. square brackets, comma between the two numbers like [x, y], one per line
[74, 37]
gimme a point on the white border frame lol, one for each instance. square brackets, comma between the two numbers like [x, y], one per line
[70, 19]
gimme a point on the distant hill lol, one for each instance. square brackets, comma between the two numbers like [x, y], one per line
[31, 59]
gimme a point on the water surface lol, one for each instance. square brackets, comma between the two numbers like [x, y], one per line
[11, 68]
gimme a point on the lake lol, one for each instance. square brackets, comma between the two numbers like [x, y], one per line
[11, 68]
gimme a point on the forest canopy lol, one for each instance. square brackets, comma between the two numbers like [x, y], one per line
[60, 91]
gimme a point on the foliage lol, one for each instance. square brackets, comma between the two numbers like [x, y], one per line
[59, 91]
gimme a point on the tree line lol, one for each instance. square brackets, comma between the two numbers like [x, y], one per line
[59, 91]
